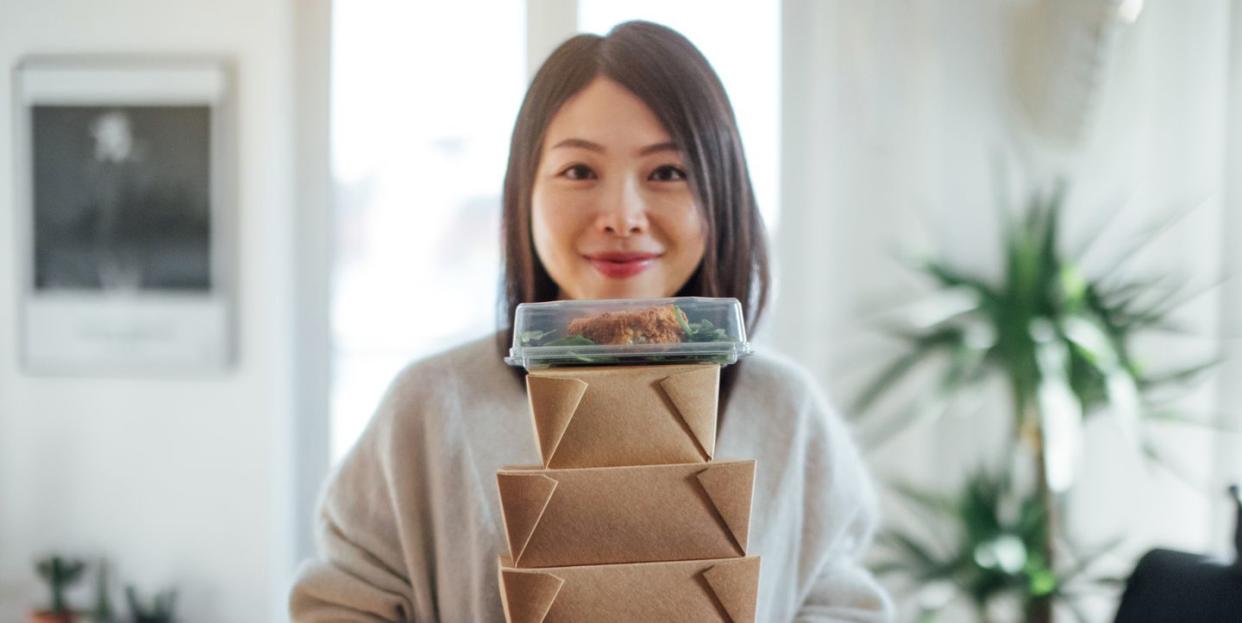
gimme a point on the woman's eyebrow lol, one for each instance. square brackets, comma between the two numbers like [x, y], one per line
[596, 147]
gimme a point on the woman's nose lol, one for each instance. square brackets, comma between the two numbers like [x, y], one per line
[623, 211]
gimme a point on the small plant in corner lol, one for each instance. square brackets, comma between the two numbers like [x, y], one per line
[59, 573]
[101, 611]
[159, 610]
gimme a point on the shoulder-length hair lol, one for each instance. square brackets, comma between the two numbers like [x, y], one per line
[676, 82]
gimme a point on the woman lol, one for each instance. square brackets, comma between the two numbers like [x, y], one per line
[626, 179]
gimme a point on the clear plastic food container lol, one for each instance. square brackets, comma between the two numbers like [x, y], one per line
[628, 331]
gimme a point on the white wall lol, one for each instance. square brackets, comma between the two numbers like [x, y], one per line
[1229, 449]
[179, 482]
[894, 113]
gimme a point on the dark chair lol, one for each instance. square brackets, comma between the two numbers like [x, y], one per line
[1186, 588]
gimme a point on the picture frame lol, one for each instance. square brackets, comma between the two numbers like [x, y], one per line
[125, 183]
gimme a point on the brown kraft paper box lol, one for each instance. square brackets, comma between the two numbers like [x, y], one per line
[603, 416]
[626, 514]
[628, 517]
[691, 591]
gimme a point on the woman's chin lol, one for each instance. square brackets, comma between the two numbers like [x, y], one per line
[620, 290]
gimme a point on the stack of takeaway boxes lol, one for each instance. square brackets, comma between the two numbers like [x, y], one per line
[629, 518]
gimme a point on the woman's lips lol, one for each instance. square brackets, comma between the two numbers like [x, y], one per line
[621, 265]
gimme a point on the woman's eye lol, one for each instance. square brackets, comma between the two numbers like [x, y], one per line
[668, 173]
[579, 172]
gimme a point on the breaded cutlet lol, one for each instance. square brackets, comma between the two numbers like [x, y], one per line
[652, 325]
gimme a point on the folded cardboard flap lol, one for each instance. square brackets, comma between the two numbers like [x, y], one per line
[730, 486]
[525, 497]
[684, 591]
[624, 415]
[735, 588]
[626, 514]
[553, 402]
[693, 394]
[528, 596]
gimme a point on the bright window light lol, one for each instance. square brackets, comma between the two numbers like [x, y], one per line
[423, 102]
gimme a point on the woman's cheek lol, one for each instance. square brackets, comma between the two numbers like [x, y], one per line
[555, 231]
[684, 226]
[542, 224]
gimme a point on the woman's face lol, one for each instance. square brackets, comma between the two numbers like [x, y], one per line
[612, 214]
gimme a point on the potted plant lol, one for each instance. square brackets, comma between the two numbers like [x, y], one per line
[101, 611]
[991, 552]
[160, 609]
[1061, 342]
[59, 574]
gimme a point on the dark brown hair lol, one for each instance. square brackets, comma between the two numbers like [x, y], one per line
[676, 82]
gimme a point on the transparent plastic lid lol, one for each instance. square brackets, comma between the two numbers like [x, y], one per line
[628, 331]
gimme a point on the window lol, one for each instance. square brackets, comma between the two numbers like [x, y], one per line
[421, 112]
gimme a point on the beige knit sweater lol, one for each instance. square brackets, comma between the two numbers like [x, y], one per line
[409, 526]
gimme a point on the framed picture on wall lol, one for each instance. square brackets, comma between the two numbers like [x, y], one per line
[125, 191]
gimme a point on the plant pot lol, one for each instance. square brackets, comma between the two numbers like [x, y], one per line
[47, 616]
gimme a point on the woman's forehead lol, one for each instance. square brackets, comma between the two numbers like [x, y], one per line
[606, 118]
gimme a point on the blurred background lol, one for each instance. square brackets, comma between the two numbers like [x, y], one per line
[897, 148]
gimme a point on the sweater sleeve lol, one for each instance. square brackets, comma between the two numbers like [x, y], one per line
[841, 517]
[370, 564]
[843, 590]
